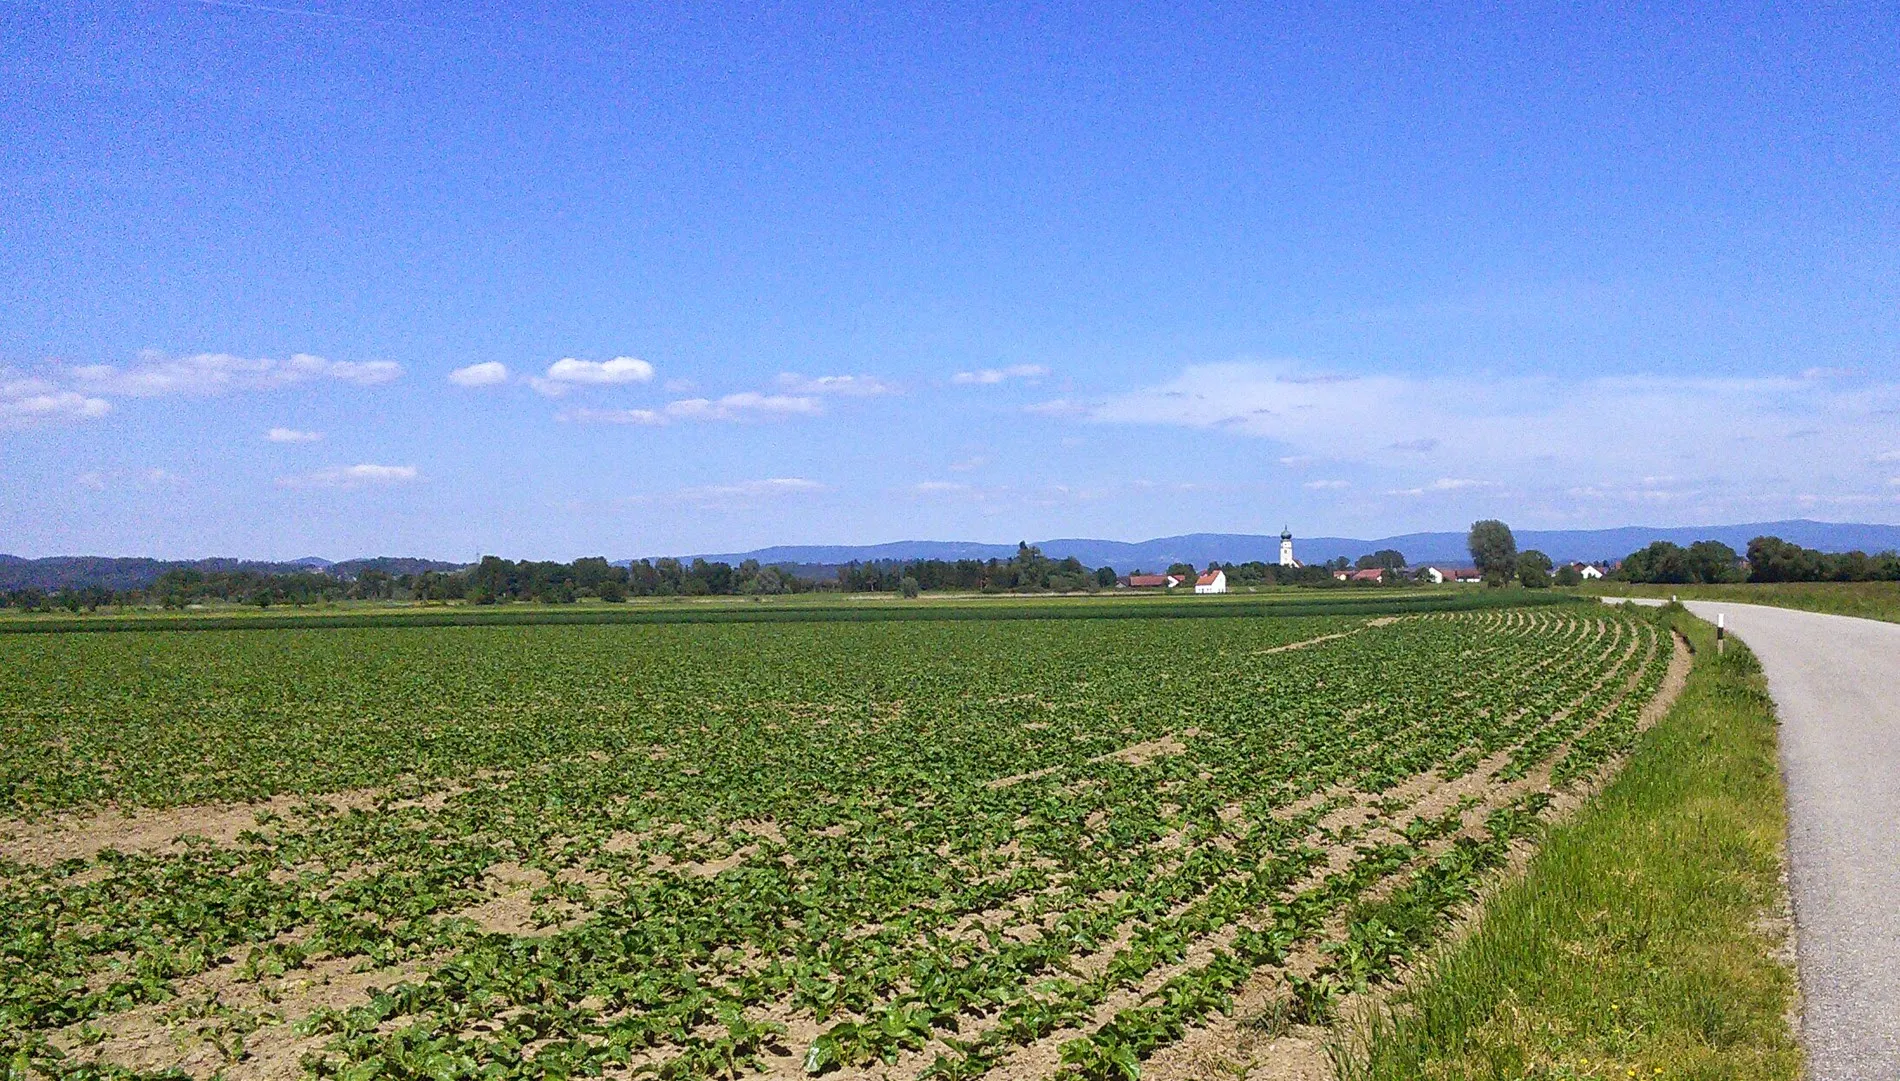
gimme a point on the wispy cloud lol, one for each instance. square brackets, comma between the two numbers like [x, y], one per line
[939, 487]
[1443, 484]
[292, 435]
[28, 401]
[969, 465]
[992, 376]
[746, 492]
[489, 373]
[1326, 485]
[746, 405]
[848, 386]
[1058, 407]
[91, 481]
[567, 373]
[1536, 437]
[650, 417]
[205, 374]
[352, 476]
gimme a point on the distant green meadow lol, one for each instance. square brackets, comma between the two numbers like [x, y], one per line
[804, 608]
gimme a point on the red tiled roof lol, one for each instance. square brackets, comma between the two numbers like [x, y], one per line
[1206, 579]
[1147, 579]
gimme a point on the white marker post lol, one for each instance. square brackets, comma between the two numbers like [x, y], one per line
[1721, 631]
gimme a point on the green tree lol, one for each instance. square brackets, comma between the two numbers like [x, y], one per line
[1663, 562]
[1493, 551]
[1389, 559]
[1569, 575]
[1533, 569]
[1184, 570]
[908, 586]
[1710, 561]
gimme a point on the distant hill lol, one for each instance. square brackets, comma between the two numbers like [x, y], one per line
[1203, 548]
[138, 572]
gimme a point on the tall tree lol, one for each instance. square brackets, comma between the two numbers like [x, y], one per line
[1533, 569]
[1493, 551]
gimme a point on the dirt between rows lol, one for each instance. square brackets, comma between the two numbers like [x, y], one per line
[85, 836]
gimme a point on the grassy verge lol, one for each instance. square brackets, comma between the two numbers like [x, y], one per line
[1870, 600]
[1633, 945]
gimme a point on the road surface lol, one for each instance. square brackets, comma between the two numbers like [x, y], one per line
[1836, 684]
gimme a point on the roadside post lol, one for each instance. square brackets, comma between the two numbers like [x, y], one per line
[1721, 631]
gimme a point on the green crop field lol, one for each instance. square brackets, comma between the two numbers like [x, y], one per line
[911, 847]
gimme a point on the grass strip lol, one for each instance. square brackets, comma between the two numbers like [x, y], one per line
[1635, 943]
[1868, 600]
[1056, 608]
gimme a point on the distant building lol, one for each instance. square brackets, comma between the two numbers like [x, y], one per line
[1370, 574]
[1151, 581]
[1441, 575]
[1286, 548]
[1589, 570]
[1214, 581]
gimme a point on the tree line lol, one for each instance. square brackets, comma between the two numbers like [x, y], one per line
[1769, 559]
[494, 580]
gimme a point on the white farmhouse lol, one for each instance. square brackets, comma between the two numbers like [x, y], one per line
[1589, 570]
[1214, 581]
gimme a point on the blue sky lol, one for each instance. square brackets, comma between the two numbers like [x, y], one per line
[724, 277]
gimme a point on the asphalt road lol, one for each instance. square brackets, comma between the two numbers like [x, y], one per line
[1836, 684]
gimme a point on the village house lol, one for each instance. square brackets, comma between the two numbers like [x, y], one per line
[1214, 581]
[1151, 581]
[1441, 575]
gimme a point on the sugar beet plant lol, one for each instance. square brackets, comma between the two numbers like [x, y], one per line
[928, 849]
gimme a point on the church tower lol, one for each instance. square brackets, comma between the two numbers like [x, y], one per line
[1286, 549]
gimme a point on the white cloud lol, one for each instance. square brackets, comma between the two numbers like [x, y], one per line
[746, 405]
[1536, 437]
[992, 376]
[351, 476]
[1443, 484]
[939, 487]
[567, 373]
[27, 401]
[292, 435]
[486, 374]
[1326, 485]
[747, 491]
[849, 386]
[613, 416]
[92, 481]
[1059, 407]
[1888, 456]
[157, 375]
[969, 465]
